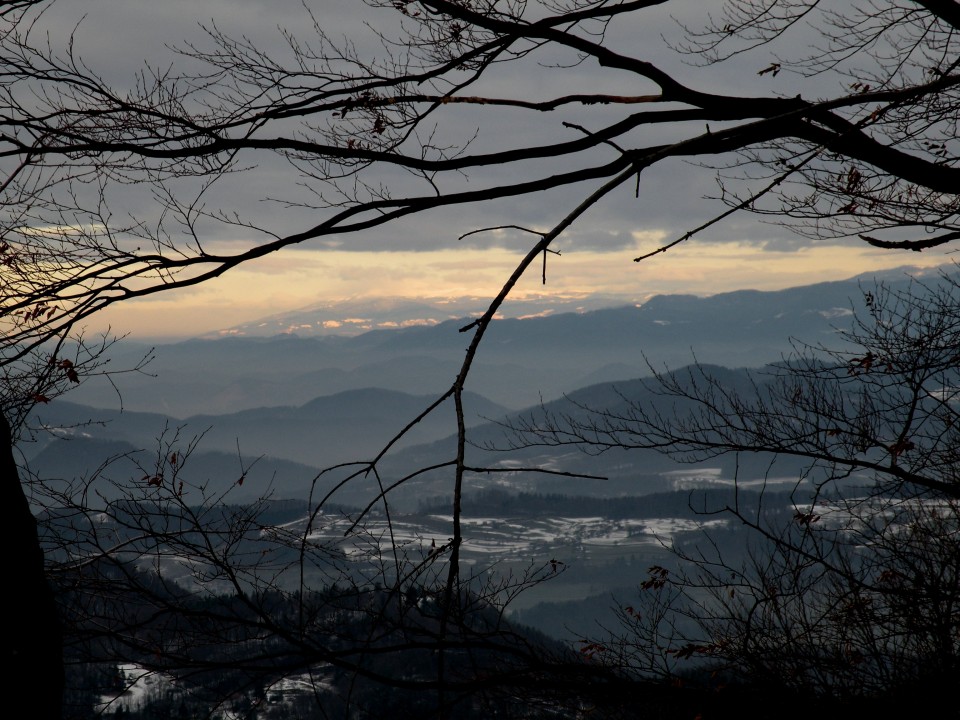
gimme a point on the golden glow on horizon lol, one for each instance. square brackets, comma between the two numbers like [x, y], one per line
[303, 278]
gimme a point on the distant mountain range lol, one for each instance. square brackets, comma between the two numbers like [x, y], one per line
[325, 431]
[521, 361]
[282, 449]
[276, 410]
[359, 315]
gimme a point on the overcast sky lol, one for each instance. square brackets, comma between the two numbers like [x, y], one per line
[422, 256]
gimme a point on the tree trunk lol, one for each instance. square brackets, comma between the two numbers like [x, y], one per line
[34, 646]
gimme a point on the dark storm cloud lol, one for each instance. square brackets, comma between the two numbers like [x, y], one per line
[115, 38]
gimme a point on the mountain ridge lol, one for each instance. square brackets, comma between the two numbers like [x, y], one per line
[520, 361]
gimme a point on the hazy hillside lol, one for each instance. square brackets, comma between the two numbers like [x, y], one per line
[520, 362]
[311, 430]
[348, 426]
[110, 469]
[294, 442]
[624, 472]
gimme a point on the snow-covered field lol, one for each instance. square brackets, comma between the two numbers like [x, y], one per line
[510, 539]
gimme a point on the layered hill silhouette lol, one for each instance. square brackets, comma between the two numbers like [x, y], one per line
[267, 403]
[521, 361]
